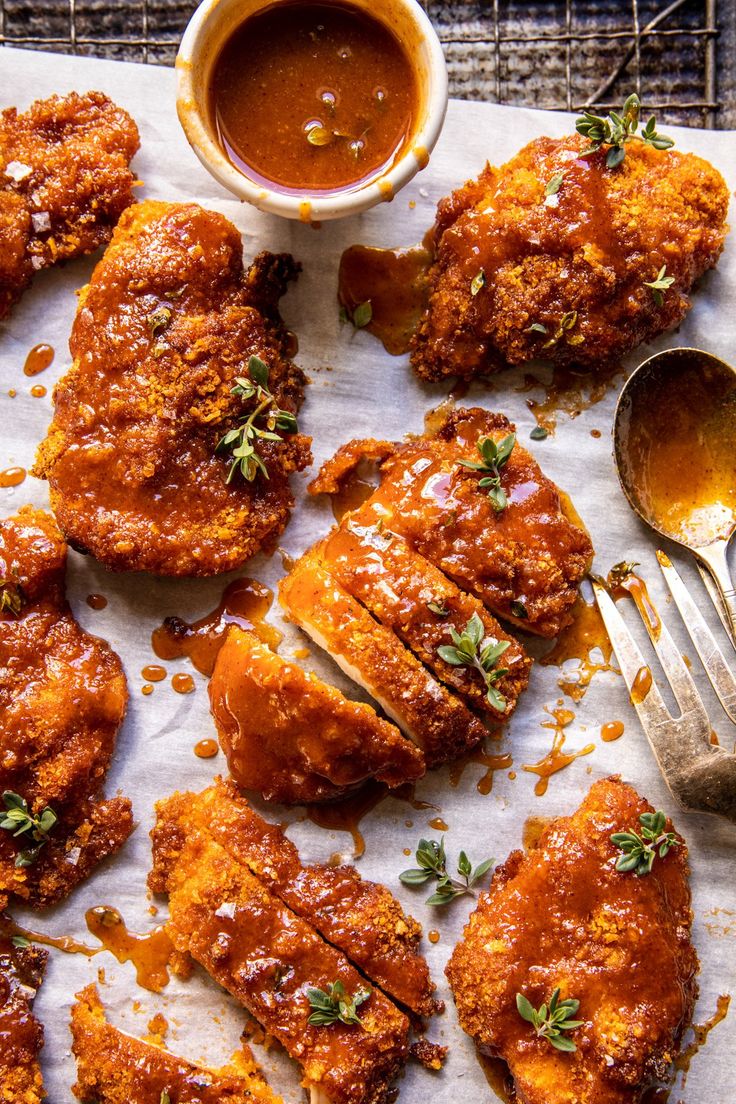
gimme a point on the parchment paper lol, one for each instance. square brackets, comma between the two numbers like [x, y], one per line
[357, 390]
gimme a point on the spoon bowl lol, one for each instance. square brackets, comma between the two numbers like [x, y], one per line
[675, 449]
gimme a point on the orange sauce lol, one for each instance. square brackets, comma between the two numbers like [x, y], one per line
[641, 686]
[586, 641]
[433, 936]
[435, 419]
[438, 824]
[38, 360]
[182, 683]
[352, 493]
[38, 391]
[96, 601]
[12, 393]
[612, 730]
[395, 283]
[498, 1076]
[701, 1033]
[635, 586]
[63, 943]
[12, 477]
[346, 815]
[147, 689]
[244, 602]
[556, 758]
[492, 763]
[149, 952]
[206, 749]
[532, 830]
[568, 391]
[152, 672]
[313, 97]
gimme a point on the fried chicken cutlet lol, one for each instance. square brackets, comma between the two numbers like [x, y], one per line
[21, 1035]
[64, 182]
[116, 1068]
[62, 700]
[564, 275]
[294, 738]
[562, 917]
[177, 353]
[524, 562]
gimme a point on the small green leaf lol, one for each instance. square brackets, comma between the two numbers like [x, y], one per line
[478, 282]
[537, 327]
[561, 1042]
[539, 433]
[519, 610]
[440, 609]
[414, 877]
[20, 941]
[553, 184]
[524, 1008]
[319, 136]
[362, 314]
[164, 1098]
[451, 655]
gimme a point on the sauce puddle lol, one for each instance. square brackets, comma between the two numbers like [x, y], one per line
[244, 602]
[96, 601]
[438, 824]
[38, 360]
[568, 391]
[612, 730]
[149, 953]
[498, 1076]
[395, 283]
[206, 749]
[12, 477]
[556, 759]
[346, 815]
[492, 763]
[586, 641]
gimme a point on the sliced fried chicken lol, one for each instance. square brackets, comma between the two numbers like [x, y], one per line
[62, 700]
[167, 325]
[524, 562]
[21, 1035]
[362, 919]
[562, 917]
[294, 738]
[64, 182]
[116, 1068]
[439, 723]
[566, 276]
[270, 959]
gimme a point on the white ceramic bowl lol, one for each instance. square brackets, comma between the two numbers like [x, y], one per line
[209, 28]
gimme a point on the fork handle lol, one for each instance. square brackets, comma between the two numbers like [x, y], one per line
[714, 558]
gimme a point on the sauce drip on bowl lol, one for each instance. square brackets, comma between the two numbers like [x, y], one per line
[313, 98]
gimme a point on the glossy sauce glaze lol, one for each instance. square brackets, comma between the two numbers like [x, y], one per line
[38, 360]
[38, 391]
[612, 730]
[182, 683]
[149, 953]
[586, 641]
[21, 1036]
[206, 749]
[12, 477]
[315, 98]
[635, 586]
[491, 762]
[395, 282]
[556, 758]
[641, 686]
[244, 602]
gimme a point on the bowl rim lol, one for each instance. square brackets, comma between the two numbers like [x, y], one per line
[304, 206]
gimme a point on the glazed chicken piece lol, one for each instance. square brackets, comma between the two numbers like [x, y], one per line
[563, 917]
[406, 593]
[21, 1035]
[294, 738]
[268, 958]
[360, 918]
[565, 276]
[164, 329]
[439, 723]
[116, 1068]
[64, 182]
[525, 563]
[62, 700]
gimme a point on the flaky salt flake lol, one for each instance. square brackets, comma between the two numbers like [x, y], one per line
[17, 171]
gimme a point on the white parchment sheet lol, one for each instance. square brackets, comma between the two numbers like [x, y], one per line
[357, 390]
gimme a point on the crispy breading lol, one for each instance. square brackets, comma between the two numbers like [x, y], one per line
[563, 917]
[64, 182]
[167, 323]
[583, 255]
[438, 722]
[268, 957]
[361, 918]
[293, 737]
[524, 563]
[21, 1035]
[62, 700]
[116, 1068]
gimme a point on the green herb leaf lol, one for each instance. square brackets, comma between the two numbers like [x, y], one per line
[662, 282]
[519, 610]
[539, 433]
[494, 457]
[362, 314]
[478, 282]
[640, 851]
[334, 1004]
[319, 136]
[620, 572]
[20, 941]
[553, 184]
[241, 442]
[537, 327]
[432, 860]
[158, 320]
[550, 1023]
[19, 821]
[438, 608]
[11, 597]
[164, 1098]
[615, 130]
[469, 650]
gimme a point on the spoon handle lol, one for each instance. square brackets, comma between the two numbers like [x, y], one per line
[714, 558]
[715, 597]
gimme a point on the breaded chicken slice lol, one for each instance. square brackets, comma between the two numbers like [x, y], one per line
[270, 959]
[164, 330]
[438, 722]
[64, 182]
[63, 696]
[361, 918]
[21, 1035]
[525, 562]
[116, 1068]
[294, 738]
[564, 276]
[563, 917]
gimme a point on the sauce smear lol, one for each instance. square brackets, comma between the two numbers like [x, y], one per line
[38, 359]
[586, 641]
[556, 759]
[313, 98]
[491, 762]
[149, 952]
[395, 283]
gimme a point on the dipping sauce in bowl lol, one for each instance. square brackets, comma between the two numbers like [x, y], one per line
[313, 98]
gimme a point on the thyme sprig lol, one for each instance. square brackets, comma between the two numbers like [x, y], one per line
[333, 1005]
[615, 130]
[19, 820]
[11, 597]
[360, 315]
[432, 860]
[469, 650]
[241, 442]
[662, 282]
[549, 1023]
[640, 851]
[494, 457]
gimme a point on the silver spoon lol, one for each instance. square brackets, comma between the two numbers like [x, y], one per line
[675, 449]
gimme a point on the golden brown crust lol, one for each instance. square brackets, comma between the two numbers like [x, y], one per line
[294, 738]
[437, 721]
[21, 1035]
[589, 249]
[130, 454]
[361, 918]
[562, 916]
[116, 1068]
[64, 182]
[62, 700]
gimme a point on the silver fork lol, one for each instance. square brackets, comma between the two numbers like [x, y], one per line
[700, 775]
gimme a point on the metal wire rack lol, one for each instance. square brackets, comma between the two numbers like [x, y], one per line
[559, 55]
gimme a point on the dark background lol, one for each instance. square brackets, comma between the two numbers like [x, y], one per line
[681, 54]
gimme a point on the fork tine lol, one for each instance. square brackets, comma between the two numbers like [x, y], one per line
[711, 656]
[717, 601]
